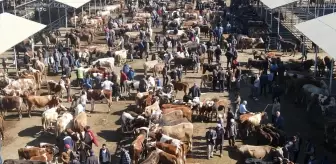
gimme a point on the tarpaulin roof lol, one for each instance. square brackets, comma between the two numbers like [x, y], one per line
[73, 3]
[14, 29]
[272, 4]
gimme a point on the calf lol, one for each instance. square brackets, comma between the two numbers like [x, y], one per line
[40, 102]
[98, 94]
[187, 113]
[136, 147]
[210, 67]
[50, 116]
[27, 153]
[180, 86]
[167, 158]
[11, 102]
[64, 122]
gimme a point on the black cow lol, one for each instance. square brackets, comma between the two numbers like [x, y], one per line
[259, 64]
[185, 62]
[288, 46]
[210, 67]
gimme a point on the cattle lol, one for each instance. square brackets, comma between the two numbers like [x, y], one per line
[57, 88]
[206, 110]
[149, 65]
[262, 137]
[105, 62]
[2, 128]
[174, 115]
[288, 46]
[325, 102]
[168, 148]
[210, 67]
[18, 161]
[129, 122]
[80, 121]
[40, 66]
[298, 65]
[258, 64]
[139, 96]
[158, 68]
[260, 152]
[173, 122]
[185, 62]
[22, 84]
[152, 158]
[40, 102]
[64, 122]
[249, 120]
[120, 57]
[97, 94]
[180, 86]
[205, 79]
[167, 158]
[35, 75]
[136, 147]
[143, 15]
[28, 153]
[183, 132]
[187, 113]
[294, 85]
[11, 102]
[50, 116]
[246, 42]
[165, 106]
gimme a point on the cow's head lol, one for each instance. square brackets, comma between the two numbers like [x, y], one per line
[277, 152]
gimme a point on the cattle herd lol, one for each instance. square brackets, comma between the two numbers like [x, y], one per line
[161, 125]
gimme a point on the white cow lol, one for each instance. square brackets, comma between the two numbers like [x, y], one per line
[105, 62]
[149, 65]
[22, 84]
[50, 116]
[64, 122]
[120, 56]
[143, 15]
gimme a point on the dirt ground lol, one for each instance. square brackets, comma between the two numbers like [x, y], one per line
[21, 133]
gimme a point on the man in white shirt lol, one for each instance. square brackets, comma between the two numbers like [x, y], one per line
[107, 85]
[242, 108]
[256, 86]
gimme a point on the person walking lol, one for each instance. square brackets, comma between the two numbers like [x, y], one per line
[275, 109]
[83, 99]
[92, 159]
[263, 83]
[279, 121]
[232, 132]
[309, 151]
[123, 81]
[218, 52]
[210, 137]
[256, 86]
[221, 78]
[68, 87]
[104, 155]
[219, 139]
[80, 76]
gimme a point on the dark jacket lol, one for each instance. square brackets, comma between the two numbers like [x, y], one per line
[104, 156]
[279, 122]
[211, 136]
[263, 79]
[215, 74]
[218, 52]
[220, 135]
[221, 75]
[92, 160]
[194, 92]
[64, 61]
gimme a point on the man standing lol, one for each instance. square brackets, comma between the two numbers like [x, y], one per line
[123, 79]
[279, 121]
[214, 79]
[309, 151]
[219, 139]
[107, 85]
[210, 136]
[92, 159]
[194, 91]
[221, 78]
[83, 99]
[80, 76]
[218, 52]
[267, 43]
[232, 132]
[165, 75]
[64, 63]
[104, 155]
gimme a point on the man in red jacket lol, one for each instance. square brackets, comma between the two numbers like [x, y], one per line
[123, 78]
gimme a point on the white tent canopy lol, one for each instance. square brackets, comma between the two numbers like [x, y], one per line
[73, 3]
[272, 4]
[322, 32]
[14, 29]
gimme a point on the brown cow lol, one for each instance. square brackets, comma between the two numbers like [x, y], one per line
[146, 100]
[168, 148]
[152, 158]
[2, 128]
[40, 102]
[27, 153]
[136, 147]
[17, 161]
[98, 95]
[11, 102]
[166, 106]
[180, 86]
[187, 112]
[167, 158]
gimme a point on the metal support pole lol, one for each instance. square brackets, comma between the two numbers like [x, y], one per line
[266, 13]
[82, 11]
[292, 13]
[15, 60]
[262, 5]
[14, 8]
[25, 8]
[2, 6]
[323, 9]
[95, 6]
[315, 12]
[32, 44]
[307, 12]
[315, 64]
[279, 21]
[101, 5]
[331, 75]
[271, 19]
[66, 24]
[49, 14]
[89, 9]
[334, 8]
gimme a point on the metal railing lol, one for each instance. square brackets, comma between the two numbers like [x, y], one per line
[53, 25]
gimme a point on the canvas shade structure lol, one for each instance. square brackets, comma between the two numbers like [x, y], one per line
[321, 31]
[14, 29]
[272, 4]
[73, 3]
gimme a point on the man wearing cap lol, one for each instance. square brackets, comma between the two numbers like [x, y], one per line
[92, 159]
[66, 154]
[210, 137]
[219, 139]
[242, 108]
[232, 132]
